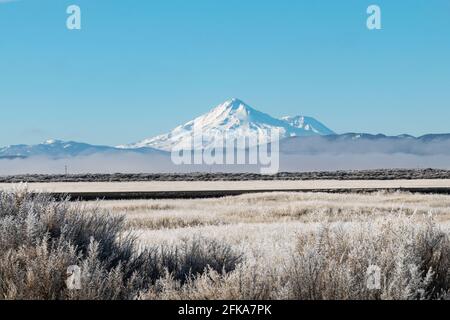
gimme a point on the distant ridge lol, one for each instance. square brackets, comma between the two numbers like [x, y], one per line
[56, 149]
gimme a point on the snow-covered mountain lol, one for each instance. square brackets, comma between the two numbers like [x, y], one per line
[308, 124]
[62, 149]
[232, 119]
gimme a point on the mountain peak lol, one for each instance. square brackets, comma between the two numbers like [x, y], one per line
[52, 141]
[231, 105]
[309, 124]
[233, 102]
[233, 118]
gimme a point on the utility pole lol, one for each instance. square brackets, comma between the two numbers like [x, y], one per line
[65, 169]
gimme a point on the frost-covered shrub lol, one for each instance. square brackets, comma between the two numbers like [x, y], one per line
[335, 261]
[413, 257]
[249, 281]
[40, 238]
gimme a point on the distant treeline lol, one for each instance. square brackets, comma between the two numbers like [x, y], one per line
[386, 174]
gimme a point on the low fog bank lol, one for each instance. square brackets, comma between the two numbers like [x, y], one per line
[135, 163]
[344, 144]
[97, 163]
[329, 162]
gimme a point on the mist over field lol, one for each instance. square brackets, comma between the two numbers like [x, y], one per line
[137, 163]
[331, 162]
[97, 163]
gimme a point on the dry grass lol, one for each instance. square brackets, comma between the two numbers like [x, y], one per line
[41, 239]
[274, 208]
[262, 246]
[331, 262]
[305, 245]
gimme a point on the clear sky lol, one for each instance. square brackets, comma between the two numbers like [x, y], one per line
[139, 68]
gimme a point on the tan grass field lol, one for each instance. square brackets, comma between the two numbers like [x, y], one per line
[279, 245]
[267, 227]
[161, 186]
[267, 208]
[275, 217]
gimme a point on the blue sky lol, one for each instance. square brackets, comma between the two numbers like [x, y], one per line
[139, 68]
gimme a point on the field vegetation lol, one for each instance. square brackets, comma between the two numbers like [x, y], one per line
[262, 246]
[382, 174]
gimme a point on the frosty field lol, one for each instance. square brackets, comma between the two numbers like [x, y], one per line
[162, 186]
[262, 210]
[266, 228]
[188, 189]
[285, 245]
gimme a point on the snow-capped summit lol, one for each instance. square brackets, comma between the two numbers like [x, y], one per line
[232, 119]
[52, 142]
[309, 124]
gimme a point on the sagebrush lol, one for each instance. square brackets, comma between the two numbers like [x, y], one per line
[272, 246]
[40, 238]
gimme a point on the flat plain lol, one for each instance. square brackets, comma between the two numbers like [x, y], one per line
[271, 245]
[258, 185]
